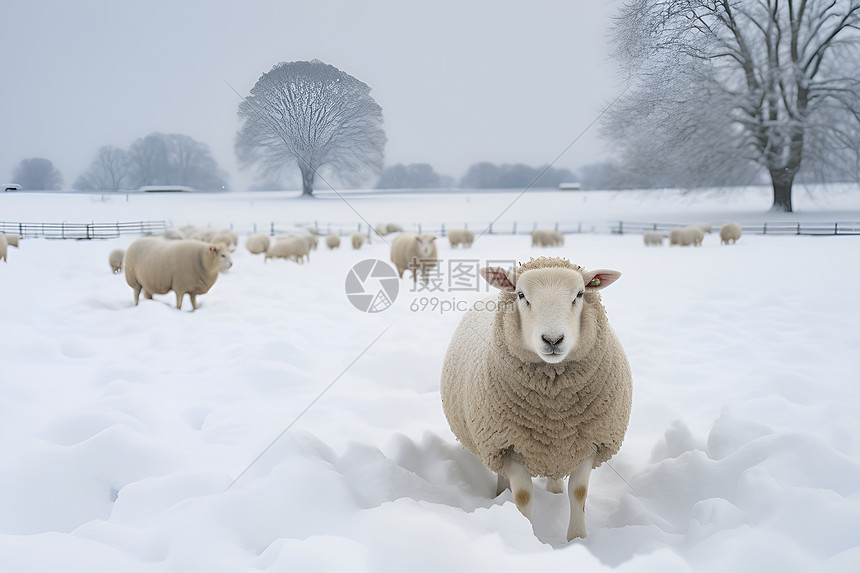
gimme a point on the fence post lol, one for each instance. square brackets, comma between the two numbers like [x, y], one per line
[798, 229]
[490, 229]
[556, 225]
[764, 229]
[836, 228]
[620, 227]
[514, 232]
[272, 229]
[63, 230]
[442, 232]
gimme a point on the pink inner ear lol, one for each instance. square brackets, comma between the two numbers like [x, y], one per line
[500, 279]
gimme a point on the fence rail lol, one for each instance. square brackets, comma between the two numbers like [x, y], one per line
[766, 228]
[90, 230]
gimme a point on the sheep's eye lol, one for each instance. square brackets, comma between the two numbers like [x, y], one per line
[521, 295]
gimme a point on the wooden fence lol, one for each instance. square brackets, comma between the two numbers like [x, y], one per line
[771, 228]
[83, 230]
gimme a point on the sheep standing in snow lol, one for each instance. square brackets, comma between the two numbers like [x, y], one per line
[332, 241]
[294, 248]
[156, 266]
[416, 253]
[463, 237]
[539, 386]
[547, 238]
[257, 243]
[115, 260]
[730, 232]
[357, 240]
[686, 236]
[652, 239]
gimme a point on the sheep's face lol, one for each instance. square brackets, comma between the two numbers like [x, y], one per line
[424, 246]
[550, 304]
[221, 251]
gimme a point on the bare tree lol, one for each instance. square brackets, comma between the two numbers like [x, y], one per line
[107, 172]
[315, 115]
[728, 87]
[37, 173]
[174, 159]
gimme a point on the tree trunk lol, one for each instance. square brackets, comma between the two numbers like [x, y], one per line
[307, 181]
[782, 181]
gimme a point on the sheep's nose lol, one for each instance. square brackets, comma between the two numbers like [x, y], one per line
[550, 341]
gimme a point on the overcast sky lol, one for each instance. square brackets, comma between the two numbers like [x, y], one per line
[458, 81]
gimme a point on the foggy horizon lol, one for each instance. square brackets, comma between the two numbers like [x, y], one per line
[497, 82]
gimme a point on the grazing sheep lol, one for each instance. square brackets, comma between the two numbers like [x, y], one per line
[463, 237]
[383, 229]
[730, 232]
[547, 238]
[357, 240]
[653, 239]
[414, 252]
[226, 236]
[157, 266]
[292, 248]
[535, 383]
[12, 239]
[309, 240]
[706, 228]
[257, 243]
[115, 260]
[173, 234]
[686, 236]
[3, 244]
[332, 241]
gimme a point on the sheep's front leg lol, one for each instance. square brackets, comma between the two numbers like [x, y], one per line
[193, 298]
[521, 484]
[577, 490]
[137, 288]
[179, 296]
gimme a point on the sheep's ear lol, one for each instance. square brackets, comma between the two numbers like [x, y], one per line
[212, 248]
[599, 279]
[500, 278]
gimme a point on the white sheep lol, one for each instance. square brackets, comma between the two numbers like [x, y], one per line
[730, 232]
[156, 266]
[292, 248]
[651, 239]
[115, 260]
[226, 236]
[332, 241]
[535, 382]
[547, 238]
[686, 236]
[463, 237]
[416, 253]
[257, 243]
[3, 244]
[173, 234]
[357, 240]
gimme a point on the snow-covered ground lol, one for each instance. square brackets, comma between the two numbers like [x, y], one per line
[126, 432]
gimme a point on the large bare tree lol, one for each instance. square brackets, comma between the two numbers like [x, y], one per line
[728, 87]
[313, 115]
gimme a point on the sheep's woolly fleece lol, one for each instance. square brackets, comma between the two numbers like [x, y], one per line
[498, 396]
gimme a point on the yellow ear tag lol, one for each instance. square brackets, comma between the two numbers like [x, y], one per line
[595, 282]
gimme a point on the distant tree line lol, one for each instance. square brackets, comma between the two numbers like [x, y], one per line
[413, 176]
[157, 159]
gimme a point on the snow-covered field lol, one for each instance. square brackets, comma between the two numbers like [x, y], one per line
[126, 432]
